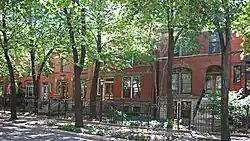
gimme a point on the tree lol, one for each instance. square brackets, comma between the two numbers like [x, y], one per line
[9, 30]
[41, 34]
[114, 38]
[78, 61]
[241, 25]
[101, 15]
[176, 18]
[220, 15]
[72, 15]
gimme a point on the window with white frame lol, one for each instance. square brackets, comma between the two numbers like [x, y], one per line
[131, 87]
[29, 89]
[100, 87]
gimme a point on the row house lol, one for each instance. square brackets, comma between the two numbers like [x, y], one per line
[193, 71]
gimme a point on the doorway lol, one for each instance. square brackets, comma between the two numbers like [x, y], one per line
[182, 109]
[62, 89]
[108, 88]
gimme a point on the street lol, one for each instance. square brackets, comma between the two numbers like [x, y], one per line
[14, 133]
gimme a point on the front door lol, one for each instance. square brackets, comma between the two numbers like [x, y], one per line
[182, 109]
[108, 88]
[62, 89]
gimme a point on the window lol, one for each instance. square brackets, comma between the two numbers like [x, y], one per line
[63, 64]
[214, 43]
[237, 74]
[100, 87]
[182, 51]
[62, 88]
[185, 46]
[186, 83]
[83, 87]
[175, 83]
[131, 87]
[133, 61]
[182, 81]
[29, 89]
[45, 91]
[50, 87]
[213, 79]
[1, 89]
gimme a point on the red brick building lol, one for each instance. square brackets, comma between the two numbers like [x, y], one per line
[192, 72]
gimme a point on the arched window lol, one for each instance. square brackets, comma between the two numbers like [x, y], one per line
[213, 79]
[182, 81]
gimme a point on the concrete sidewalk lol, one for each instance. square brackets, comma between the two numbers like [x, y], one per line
[43, 124]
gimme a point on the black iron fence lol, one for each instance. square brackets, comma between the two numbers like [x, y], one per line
[146, 114]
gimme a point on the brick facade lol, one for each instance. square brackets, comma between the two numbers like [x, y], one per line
[198, 64]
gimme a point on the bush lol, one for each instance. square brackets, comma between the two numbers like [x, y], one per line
[237, 108]
[70, 128]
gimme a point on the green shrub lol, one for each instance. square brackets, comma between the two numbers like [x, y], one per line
[170, 124]
[237, 108]
[70, 128]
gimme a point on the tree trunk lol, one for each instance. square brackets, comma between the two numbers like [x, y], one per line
[156, 67]
[13, 100]
[95, 79]
[35, 85]
[225, 132]
[77, 68]
[170, 111]
[78, 98]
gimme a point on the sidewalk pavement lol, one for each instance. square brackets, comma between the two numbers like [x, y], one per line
[42, 123]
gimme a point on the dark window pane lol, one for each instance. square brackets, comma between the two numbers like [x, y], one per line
[186, 83]
[214, 43]
[126, 87]
[136, 87]
[186, 109]
[237, 74]
[175, 83]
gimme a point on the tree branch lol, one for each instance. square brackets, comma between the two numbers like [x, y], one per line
[72, 36]
[220, 32]
[93, 34]
[83, 30]
[178, 35]
[43, 63]
[104, 44]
